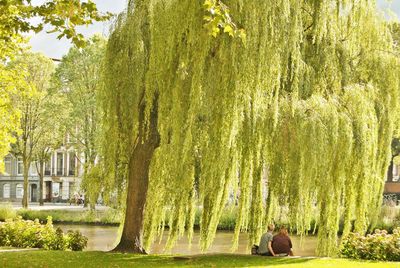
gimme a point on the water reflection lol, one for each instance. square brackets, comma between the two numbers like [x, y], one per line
[103, 238]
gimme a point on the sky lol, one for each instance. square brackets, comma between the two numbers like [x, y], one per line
[49, 45]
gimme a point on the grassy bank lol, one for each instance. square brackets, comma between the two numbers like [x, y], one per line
[106, 217]
[101, 259]
[388, 219]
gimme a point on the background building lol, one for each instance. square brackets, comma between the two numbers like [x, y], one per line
[62, 177]
[392, 186]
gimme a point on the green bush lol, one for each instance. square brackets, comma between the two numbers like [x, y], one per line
[7, 212]
[31, 234]
[76, 241]
[377, 246]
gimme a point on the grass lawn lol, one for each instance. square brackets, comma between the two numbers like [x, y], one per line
[109, 216]
[101, 259]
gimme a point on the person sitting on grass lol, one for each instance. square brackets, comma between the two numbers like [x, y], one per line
[265, 247]
[281, 243]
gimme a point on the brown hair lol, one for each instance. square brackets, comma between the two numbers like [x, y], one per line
[283, 231]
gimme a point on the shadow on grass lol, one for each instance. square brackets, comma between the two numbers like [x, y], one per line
[101, 259]
[233, 260]
[207, 260]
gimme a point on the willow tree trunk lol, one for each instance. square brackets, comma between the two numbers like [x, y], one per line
[138, 181]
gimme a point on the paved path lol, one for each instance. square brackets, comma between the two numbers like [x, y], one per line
[55, 206]
[17, 249]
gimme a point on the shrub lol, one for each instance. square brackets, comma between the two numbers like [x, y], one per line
[31, 234]
[76, 241]
[377, 246]
[7, 212]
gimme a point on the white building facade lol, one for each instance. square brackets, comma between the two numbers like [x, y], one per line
[62, 178]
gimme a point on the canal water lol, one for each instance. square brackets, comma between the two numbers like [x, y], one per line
[103, 238]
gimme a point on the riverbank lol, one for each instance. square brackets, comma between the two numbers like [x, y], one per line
[63, 214]
[105, 216]
[70, 214]
[101, 259]
[110, 217]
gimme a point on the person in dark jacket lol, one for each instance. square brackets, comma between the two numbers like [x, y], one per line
[281, 243]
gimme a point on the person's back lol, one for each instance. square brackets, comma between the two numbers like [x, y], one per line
[281, 243]
[263, 247]
[265, 242]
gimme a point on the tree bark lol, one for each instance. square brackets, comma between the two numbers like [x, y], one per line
[41, 182]
[390, 171]
[25, 194]
[138, 180]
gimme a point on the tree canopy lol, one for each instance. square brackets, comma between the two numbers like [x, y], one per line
[301, 110]
[33, 103]
[11, 85]
[63, 16]
[79, 79]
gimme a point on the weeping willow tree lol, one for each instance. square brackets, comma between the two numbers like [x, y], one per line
[203, 99]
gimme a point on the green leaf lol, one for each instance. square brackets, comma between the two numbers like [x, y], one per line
[228, 29]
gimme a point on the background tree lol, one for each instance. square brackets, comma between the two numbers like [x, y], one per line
[78, 76]
[11, 85]
[63, 16]
[307, 94]
[53, 130]
[38, 71]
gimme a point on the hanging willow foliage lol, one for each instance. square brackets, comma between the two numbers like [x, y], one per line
[304, 107]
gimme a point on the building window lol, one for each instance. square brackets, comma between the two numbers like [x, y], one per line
[72, 164]
[60, 163]
[53, 164]
[56, 189]
[19, 192]
[6, 190]
[7, 165]
[47, 166]
[20, 166]
[33, 168]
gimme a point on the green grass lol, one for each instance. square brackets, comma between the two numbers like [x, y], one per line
[101, 259]
[109, 216]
